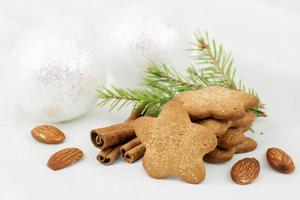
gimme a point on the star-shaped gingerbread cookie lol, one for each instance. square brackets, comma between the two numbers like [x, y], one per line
[216, 102]
[174, 145]
[220, 127]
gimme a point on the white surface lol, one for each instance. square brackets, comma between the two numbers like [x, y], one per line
[264, 39]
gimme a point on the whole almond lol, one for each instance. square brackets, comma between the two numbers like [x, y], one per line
[48, 134]
[245, 171]
[280, 161]
[64, 158]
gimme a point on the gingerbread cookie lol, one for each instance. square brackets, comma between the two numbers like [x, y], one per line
[247, 120]
[216, 102]
[174, 145]
[219, 155]
[248, 144]
[232, 137]
[220, 127]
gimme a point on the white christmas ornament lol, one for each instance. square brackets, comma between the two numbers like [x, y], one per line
[57, 74]
[132, 42]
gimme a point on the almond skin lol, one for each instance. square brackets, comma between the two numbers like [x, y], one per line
[48, 134]
[245, 171]
[280, 161]
[64, 158]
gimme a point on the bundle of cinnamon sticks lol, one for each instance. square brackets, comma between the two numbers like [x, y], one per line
[116, 140]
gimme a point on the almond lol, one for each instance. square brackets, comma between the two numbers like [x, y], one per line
[64, 158]
[245, 171]
[280, 161]
[48, 134]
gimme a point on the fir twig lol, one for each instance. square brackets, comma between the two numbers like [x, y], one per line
[150, 100]
[216, 64]
[168, 77]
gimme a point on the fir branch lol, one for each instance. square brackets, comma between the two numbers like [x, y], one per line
[258, 111]
[169, 77]
[150, 100]
[216, 64]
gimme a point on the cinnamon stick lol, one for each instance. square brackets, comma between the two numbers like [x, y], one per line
[109, 155]
[113, 135]
[129, 145]
[135, 153]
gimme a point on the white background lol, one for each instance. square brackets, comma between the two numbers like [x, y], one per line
[264, 39]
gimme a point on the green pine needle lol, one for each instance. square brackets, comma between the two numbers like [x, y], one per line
[149, 100]
[168, 77]
[216, 64]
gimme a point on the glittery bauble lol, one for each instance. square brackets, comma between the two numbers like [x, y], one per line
[57, 76]
[132, 42]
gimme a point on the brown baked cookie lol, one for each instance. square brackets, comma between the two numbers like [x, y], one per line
[223, 155]
[232, 137]
[248, 144]
[247, 120]
[174, 145]
[219, 155]
[216, 102]
[219, 127]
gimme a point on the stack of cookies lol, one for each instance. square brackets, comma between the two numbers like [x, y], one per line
[207, 124]
[227, 113]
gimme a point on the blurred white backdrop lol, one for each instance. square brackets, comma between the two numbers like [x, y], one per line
[264, 39]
